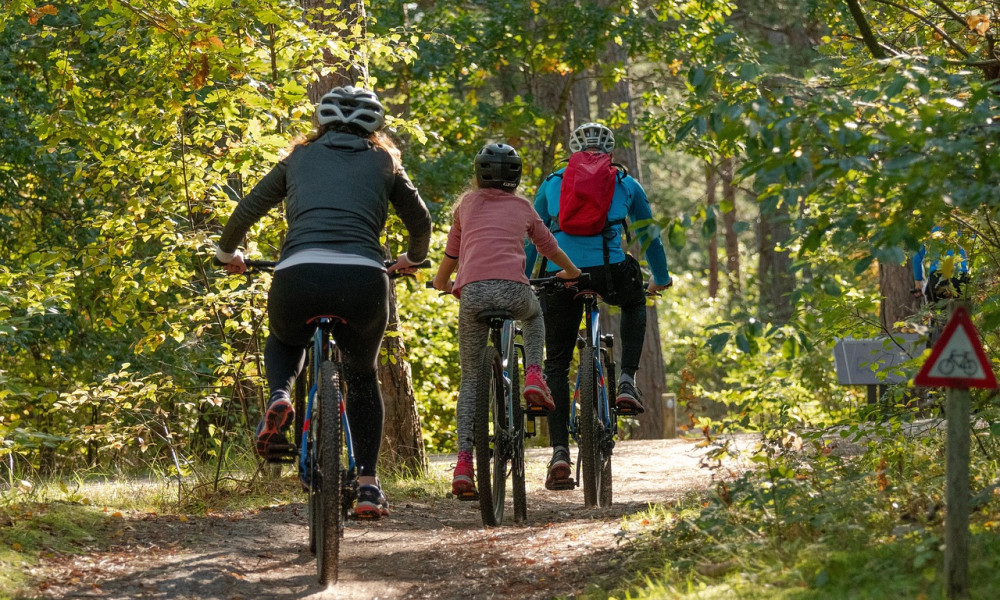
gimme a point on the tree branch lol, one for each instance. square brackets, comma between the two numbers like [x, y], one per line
[865, 29]
[944, 35]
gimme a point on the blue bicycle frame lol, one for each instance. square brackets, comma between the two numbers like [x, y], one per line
[319, 340]
[593, 322]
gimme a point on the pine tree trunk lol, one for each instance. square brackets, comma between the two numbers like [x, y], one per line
[774, 267]
[402, 441]
[729, 215]
[896, 285]
[713, 242]
[650, 378]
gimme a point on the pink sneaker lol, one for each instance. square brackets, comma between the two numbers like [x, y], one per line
[536, 391]
[463, 482]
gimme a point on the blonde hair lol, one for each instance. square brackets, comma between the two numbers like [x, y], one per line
[380, 139]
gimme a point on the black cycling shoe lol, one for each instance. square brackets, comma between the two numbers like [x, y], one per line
[372, 503]
[629, 400]
[560, 471]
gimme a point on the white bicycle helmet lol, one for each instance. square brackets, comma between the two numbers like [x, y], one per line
[592, 135]
[349, 105]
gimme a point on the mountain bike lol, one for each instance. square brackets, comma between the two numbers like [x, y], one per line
[499, 420]
[593, 418]
[321, 446]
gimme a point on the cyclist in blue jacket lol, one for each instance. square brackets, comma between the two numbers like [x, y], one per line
[337, 187]
[945, 274]
[614, 274]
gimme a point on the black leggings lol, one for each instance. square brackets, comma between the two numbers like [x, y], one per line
[357, 294]
[563, 313]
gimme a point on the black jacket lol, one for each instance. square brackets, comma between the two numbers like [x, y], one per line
[337, 191]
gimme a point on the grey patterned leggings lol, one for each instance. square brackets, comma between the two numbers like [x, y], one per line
[478, 296]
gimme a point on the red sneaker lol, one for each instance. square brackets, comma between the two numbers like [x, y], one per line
[277, 417]
[536, 392]
[463, 482]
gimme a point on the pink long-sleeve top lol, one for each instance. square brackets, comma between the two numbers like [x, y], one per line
[487, 236]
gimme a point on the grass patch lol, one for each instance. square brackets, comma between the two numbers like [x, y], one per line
[32, 530]
[812, 525]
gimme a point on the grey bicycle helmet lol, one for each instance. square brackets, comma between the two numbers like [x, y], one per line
[592, 135]
[498, 166]
[349, 105]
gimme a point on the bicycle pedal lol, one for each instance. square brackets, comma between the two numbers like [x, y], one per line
[281, 453]
[628, 412]
[468, 496]
[561, 485]
[535, 411]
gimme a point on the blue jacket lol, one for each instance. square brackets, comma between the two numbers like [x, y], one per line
[588, 251]
[961, 266]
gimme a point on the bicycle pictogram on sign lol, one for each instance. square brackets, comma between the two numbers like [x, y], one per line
[957, 358]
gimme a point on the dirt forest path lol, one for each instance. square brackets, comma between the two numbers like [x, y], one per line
[432, 549]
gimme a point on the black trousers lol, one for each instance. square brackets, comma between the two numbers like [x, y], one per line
[939, 288]
[357, 294]
[619, 284]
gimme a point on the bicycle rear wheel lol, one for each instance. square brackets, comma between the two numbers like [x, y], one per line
[590, 428]
[489, 428]
[329, 441]
[517, 442]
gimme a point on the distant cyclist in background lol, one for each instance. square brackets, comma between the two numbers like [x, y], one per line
[586, 204]
[486, 246]
[337, 185]
[940, 275]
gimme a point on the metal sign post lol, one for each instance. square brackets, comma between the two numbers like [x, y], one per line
[957, 361]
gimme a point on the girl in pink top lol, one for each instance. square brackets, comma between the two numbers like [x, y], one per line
[486, 245]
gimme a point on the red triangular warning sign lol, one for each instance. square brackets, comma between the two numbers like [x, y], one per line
[957, 358]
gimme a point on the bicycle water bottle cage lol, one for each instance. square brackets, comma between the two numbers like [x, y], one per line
[489, 316]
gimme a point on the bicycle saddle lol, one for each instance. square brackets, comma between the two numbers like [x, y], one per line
[494, 313]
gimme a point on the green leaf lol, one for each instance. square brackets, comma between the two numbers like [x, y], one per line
[675, 236]
[717, 342]
[742, 343]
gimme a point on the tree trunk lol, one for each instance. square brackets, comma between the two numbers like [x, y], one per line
[402, 441]
[713, 241]
[339, 73]
[733, 278]
[580, 94]
[650, 378]
[774, 267]
[896, 285]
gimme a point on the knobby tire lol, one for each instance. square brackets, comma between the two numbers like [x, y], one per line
[487, 430]
[611, 389]
[329, 444]
[517, 455]
[590, 428]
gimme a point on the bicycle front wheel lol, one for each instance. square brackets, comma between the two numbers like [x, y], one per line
[329, 441]
[489, 429]
[590, 428]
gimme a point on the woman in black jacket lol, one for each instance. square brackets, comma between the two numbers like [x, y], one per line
[337, 186]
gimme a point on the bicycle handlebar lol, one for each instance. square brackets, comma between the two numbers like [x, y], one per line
[268, 265]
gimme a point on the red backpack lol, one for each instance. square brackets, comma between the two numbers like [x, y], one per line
[588, 184]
